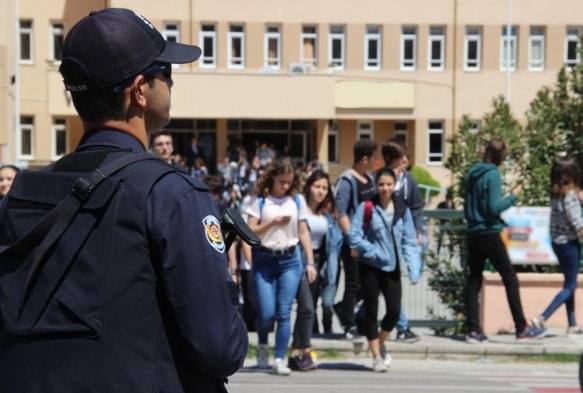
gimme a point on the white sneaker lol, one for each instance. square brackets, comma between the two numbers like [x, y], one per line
[279, 367]
[263, 356]
[378, 365]
[386, 357]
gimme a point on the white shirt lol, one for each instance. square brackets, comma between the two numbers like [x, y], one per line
[279, 237]
[318, 228]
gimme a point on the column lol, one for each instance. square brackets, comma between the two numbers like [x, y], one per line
[221, 138]
[322, 142]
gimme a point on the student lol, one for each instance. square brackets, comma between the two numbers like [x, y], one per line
[326, 243]
[278, 216]
[566, 229]
[383, 234]
[354, 186]
[7, 175]
[482, 208]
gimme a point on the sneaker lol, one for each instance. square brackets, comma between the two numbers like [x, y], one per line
[263, 356]
[307, 363]
[279, 368]
[357, 340]
[476, 338]
[575, 333]
[294, 363]
[407, 336]
[385, 356]
[531, 332]
[537, 322]
[378, 365]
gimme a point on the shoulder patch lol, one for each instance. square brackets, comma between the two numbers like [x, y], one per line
[212, 230]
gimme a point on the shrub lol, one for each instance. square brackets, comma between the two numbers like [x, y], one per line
[424, 177]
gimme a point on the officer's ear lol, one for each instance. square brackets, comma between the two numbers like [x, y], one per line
[138, 91]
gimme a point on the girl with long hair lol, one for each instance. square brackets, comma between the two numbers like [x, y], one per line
[383, 233]
[326, 244]
[278, 216]
[566, 230]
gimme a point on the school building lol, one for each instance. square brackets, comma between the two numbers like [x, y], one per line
[314, 75]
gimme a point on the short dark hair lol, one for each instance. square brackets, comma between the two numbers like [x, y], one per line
[93, 105]
[215, 183]
[496, 151]
[156, 134]
[393, 149]
[564, 174]
[385, 171]
[364, 148]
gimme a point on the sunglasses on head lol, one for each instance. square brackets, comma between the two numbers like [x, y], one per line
[166, 69]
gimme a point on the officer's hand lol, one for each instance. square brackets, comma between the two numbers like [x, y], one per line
[311, 272]
[235, 278]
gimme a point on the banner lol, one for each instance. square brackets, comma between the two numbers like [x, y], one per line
[527, 237]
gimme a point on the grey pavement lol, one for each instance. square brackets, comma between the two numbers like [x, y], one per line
[413, 376]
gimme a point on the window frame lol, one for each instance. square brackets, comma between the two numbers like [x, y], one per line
[313, 36]
[360, 131]
[534, 38]
[333, 130]
[267, 36]
[208, 34]
[473, 37]
[30, 32]
[175, 33]
[59, 125]
[342, 37]
[513, 51]
[572, 38]
[436, 38]
[405, 37]
[233, 35]
[25, 126]
[53, 32]
[404, 133]
[368, 37]
[430, 132]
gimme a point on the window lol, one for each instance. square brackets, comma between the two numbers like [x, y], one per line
[57, 38]
[236, 47]
[309, 45]
[26, 137]
[400, 132]
[59, 138]
[436, 49]
[272, 47]
[475, 126]
[508, 42]
[336, 47]
[26, 42]
[473, 49]
[332, 141]
[208, 44]
[435, 142]
[372, 48]
[171, 32]
[536, 50]
[365, 130]
[408, 49]
[572, 45]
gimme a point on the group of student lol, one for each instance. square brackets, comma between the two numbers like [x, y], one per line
[373, 224]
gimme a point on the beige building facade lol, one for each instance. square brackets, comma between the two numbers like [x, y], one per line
[312, 75]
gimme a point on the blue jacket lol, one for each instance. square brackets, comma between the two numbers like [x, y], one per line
[347, 193]
[376, 247]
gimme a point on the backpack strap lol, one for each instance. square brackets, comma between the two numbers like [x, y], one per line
[368, 207]
[297, 199]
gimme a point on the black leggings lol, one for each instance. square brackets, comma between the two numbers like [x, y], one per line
[373, 281]
[302, 334]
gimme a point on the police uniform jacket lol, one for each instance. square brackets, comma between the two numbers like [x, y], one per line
[139, 301]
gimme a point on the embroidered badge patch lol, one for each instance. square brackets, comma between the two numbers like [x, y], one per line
[213, 233]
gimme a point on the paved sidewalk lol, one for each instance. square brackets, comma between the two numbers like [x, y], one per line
[430, 345]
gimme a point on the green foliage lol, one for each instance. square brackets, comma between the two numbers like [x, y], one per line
[424, 177]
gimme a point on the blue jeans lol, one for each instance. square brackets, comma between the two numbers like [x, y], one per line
[276, 284]
[569, 256]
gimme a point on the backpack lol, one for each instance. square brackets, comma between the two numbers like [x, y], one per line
[368, 206]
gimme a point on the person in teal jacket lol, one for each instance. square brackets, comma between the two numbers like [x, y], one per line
[483, 205]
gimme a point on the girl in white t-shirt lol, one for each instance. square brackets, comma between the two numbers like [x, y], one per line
[278, 216]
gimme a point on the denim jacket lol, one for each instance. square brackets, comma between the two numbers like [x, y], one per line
[329, 271]
[376, 246]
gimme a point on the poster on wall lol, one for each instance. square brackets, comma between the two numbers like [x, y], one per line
[527, 236]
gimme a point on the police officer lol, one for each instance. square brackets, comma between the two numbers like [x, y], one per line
[135, 296]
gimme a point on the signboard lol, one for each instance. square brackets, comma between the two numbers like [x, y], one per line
[527, 236]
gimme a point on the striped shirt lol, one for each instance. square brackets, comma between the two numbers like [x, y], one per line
[566, 218]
